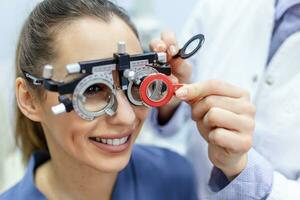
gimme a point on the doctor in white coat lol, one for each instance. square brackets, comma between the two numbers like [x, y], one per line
[254, 44]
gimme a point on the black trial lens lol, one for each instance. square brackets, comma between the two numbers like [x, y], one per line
[191, 47]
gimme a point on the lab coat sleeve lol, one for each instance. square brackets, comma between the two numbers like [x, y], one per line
[254, 182]
[258, 181]
[284, 189]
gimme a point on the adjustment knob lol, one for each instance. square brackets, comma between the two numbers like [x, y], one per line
[129, 74]
[121, 47]
[59, 109]
[48, 72]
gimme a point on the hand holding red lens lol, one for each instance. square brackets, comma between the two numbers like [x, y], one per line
[156, 89]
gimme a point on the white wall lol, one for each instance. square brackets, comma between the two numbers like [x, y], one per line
[12, 15]
[171, 13]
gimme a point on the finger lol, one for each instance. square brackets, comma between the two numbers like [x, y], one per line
[197, 91]
[230, 140]
[182, 70]
[220, 118]
[177, 65]
[173, 79]
[169, 38]
[158, 45]
[235, 105]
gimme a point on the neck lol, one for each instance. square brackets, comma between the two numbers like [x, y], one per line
[71, 180]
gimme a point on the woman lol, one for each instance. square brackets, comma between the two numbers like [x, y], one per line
[89, 153]
[73, 158]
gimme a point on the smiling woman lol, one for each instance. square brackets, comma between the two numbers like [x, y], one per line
[69, 157]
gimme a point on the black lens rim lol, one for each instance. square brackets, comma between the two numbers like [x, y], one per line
[182, 52]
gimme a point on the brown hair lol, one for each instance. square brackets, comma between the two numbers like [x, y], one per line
[35, 49]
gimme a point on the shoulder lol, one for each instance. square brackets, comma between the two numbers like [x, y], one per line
[159, 158]
[162, 169]
[26, 187]
[12, 193]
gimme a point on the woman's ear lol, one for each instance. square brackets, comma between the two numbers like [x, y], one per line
[27, 103]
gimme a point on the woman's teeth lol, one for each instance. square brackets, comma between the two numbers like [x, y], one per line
[113, 142]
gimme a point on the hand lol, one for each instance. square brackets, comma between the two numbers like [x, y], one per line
[181, 70]
[225, 118]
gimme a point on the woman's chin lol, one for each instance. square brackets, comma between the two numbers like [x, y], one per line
[106, 162]
[111, 165]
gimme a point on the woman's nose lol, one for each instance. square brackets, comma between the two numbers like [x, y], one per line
[125, 114]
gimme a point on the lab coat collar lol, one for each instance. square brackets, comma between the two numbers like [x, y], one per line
[283, 5]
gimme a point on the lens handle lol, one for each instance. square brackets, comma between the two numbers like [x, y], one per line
[171, 88]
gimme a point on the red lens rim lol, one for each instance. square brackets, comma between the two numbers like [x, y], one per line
[145, 84]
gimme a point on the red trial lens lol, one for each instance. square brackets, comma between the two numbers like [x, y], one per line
[157, 90]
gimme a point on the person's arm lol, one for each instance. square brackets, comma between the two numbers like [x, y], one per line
[257, 181]
[181, 72]
[167, 120]
[254, 182]
[224, 117]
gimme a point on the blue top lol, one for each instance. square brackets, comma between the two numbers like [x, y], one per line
[152, 173]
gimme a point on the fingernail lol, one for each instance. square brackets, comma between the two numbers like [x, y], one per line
[173, 50]
[181, 93]
[174, 80]
[160, 47]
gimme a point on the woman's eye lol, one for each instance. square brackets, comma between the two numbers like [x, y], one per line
[93, 90]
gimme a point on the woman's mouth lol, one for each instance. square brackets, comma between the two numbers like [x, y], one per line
[114, 144]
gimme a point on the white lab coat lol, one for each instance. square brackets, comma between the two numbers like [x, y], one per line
[238, 34]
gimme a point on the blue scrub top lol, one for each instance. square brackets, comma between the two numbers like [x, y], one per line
[151, 174]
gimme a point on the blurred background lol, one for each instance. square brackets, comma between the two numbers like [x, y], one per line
[150, 16]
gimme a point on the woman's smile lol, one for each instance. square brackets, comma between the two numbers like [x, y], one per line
[115, 143]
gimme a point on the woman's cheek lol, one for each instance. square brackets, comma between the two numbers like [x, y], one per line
[141, 112]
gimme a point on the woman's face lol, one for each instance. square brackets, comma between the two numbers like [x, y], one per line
[69, 136]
